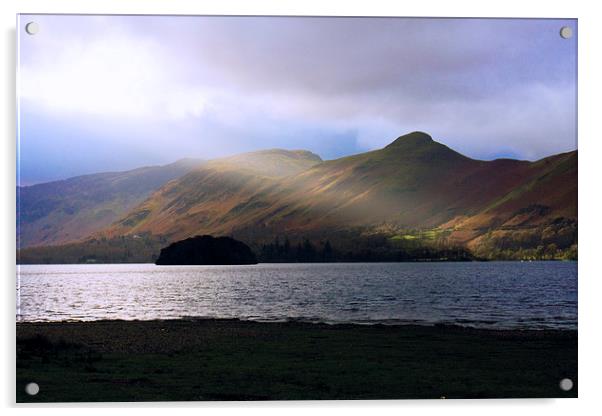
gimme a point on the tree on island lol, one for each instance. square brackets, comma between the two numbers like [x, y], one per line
[207, 250]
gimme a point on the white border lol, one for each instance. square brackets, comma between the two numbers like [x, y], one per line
[590, 137]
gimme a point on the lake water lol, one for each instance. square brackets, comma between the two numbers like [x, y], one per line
[490, 294]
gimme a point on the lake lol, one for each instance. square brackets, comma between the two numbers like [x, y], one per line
[490, 294]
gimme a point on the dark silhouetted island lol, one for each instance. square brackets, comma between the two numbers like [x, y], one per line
[206, 250]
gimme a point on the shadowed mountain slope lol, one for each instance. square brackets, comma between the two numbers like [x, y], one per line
[71, 209]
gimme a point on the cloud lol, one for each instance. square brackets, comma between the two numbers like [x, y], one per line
[106, 72]
[486, 87]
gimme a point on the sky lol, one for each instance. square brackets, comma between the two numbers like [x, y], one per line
[106, 93]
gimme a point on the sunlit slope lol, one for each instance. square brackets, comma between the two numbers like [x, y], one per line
[211, 199]
[413, 183]
[71, 209]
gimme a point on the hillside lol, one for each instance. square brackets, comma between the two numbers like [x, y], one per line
[415, 194]
[208, 196]
[67, 210]
[415, 183]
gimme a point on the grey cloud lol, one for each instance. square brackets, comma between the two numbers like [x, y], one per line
[483, 86]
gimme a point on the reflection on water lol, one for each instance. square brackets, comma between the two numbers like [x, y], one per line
[494, 294]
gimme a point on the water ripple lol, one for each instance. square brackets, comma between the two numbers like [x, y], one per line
[492, 295]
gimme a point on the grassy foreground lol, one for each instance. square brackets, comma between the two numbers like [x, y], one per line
[235, 360]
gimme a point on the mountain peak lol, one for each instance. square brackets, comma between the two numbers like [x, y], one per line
[411, 139]
[292, 154]
[270, 162]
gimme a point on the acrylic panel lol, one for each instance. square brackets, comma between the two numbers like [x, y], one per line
[292, 208]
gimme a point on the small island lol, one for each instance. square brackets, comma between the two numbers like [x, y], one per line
[206, 250]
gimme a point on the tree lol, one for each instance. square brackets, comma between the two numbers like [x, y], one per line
[287, 249]
[327, 252]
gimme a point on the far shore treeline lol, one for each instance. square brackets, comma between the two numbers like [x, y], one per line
[146, 248]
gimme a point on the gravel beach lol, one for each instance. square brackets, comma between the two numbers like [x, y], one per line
[209, 359]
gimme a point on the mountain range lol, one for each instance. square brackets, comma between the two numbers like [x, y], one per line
[413, 193]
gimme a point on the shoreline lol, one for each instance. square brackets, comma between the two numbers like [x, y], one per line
[316, 262]
[231, 359]
[396, 323]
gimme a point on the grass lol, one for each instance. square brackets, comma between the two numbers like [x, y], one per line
[233, 360]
